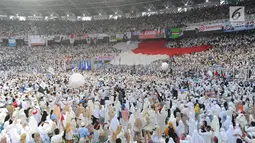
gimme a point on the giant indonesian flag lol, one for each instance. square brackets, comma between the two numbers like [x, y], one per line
[148, 51]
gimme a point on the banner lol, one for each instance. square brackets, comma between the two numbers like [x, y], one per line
[11, 42]
[173, 33]
[113, 38]
[101, 36]
[210, 27]
[57, 38]
[119, 36]
[82, 37]
[239, 26]
[36, 40]
[151, 34]
[135, 35]
[104, 58]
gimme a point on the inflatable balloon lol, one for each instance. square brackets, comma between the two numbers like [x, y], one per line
[164, 66]
[76, 80]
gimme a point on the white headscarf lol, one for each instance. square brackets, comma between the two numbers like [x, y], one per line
[192, 126]
[114, 124]
[189, 139]
[227, 123]
[196, 138]
[230, 134]
[223, 136]
[215, 124]
[180, 128]
[241, 120]
[238, 130]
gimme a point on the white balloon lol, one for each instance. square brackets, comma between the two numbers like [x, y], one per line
[164, 66]
[76, 80]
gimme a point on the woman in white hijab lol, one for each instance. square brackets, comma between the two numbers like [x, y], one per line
[241, 120]
[114, 124]
[189, 139]
[157, 135]
[180, 128]
[192, 126]
[222, 138]
[227, 123]
[215, 124]
[161, 119]
[230, 135]
[196, 138]
[238, 130]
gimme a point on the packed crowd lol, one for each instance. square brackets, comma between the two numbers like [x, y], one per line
[20, 59]
[122, 24]
[205, 97]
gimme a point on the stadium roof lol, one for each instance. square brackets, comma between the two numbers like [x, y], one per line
[87, 7]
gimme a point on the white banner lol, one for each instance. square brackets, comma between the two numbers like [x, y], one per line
[36, 40]
[211, 27]
[119, 36]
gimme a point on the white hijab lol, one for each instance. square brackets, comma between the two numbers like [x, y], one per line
[196, 138]
[114, 124]
[241, 120]
[230, 134]
[192, 126]
[215, 124]
[189, 139]
[238, 130]
[227, 123]
[180, 128]
[223, 136]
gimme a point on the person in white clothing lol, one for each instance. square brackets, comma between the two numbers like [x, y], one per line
[57, 138]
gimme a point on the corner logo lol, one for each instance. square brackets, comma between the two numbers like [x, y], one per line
[236, 13]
